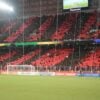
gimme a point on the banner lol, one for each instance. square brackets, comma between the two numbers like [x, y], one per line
[89, 75]
[28, 73]
[65, 73]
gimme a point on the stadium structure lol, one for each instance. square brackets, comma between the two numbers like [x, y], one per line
[53, 37]
[49, 49]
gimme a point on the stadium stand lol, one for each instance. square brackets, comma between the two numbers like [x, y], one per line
[64, 28]
[7, 26]
[92, 59]
[55, 28]
[36, 36]
[24, 58]
[84, 34]
[52, 57]
[21, 29]
[6, 56]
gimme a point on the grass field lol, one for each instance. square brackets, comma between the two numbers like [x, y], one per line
[49, 88]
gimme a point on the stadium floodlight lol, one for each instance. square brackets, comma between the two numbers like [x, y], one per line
[6, 7]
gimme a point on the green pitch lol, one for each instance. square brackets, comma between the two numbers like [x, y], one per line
[49, 88]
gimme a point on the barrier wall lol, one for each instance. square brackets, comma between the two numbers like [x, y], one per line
[65, 74]
[89, 75]
[54, 74]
